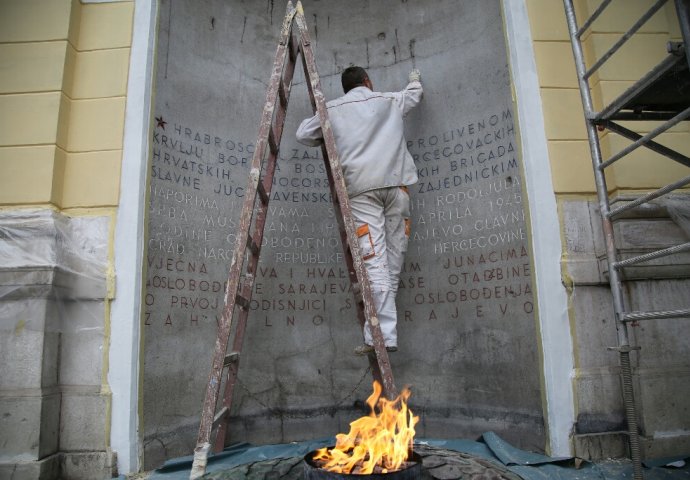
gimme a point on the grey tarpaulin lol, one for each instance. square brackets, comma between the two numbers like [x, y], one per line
[238, 454]
[527, 465]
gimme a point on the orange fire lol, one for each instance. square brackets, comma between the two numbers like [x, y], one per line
[380, 441]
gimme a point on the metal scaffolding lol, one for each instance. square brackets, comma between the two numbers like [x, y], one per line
[662, 95]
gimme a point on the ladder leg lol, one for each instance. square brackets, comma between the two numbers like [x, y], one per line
[270, 132]
[231, 379]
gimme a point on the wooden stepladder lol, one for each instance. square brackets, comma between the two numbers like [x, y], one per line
[253, 218]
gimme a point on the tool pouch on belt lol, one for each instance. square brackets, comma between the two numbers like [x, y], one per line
[366, 243]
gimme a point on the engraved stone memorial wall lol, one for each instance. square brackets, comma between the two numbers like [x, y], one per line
[467, 320]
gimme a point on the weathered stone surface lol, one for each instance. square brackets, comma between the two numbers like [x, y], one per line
[63, 466]
[467, 329]
[642, 230]
[595, 326]
[88, 465]
[581, 264]
[28, 426]
[20, 347]
[45, 469]
[665, 398]
[600, 446]
[660, 367]
[81, 342]
[76, 433]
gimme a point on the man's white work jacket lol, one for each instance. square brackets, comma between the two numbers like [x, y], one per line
[368, 130]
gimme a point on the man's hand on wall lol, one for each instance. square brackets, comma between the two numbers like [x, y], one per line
[415, 76]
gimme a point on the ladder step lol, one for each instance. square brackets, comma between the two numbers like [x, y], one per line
[282, 95]
[230, 358]
[357, 291]
[220, 416]
[243, 302]
[272, 142]
[263, 196]
[292, 49]
[252, 246]
[635, 316]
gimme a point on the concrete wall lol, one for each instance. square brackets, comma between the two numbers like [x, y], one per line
[468, 340]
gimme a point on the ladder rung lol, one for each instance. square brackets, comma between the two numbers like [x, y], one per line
[230, 358]
[220, 416]
[292, 50]
[651, 256]
[253, 247]
[281, 94]
[635, 316]
[357, 291]
[272, 142]
[262, 193]
[243, 302]
[346, 246]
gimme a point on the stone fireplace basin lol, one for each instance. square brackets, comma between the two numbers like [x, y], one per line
[437, 464]
[314, 472]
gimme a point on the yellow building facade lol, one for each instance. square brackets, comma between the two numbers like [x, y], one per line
[76, 83]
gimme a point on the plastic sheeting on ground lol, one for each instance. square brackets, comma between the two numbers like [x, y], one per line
[528, 465]
[534, 466]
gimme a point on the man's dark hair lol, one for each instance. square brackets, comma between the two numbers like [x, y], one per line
[353, 77]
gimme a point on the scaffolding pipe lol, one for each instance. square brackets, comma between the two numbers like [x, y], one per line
[653, 146]
[600, 9]
[637, 316]
[683, 10]
[646, 138]
[607, 226]
[621, 41]
[613, 109]
[683, 247]
[650, 196]
[595, 150]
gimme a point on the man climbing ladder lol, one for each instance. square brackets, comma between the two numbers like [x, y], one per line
[243, 267]
[378, 168]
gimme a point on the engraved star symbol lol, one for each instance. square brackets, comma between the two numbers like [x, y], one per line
[161, 122]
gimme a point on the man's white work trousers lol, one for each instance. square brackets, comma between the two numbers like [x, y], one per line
[382, 217]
